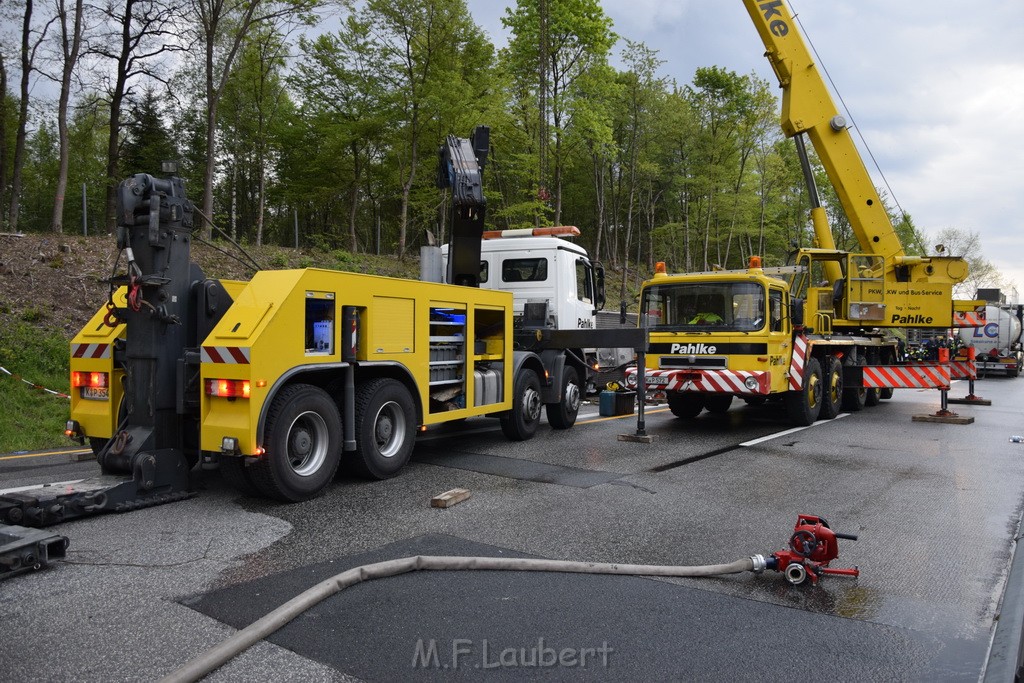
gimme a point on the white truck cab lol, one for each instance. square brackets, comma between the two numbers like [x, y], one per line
[553, 282]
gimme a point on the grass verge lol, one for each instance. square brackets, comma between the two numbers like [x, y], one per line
[32, 419]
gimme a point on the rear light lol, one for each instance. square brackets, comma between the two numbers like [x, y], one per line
[93, 386]
[94, 380]
[227, 388]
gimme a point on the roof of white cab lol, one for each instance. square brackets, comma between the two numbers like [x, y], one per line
[505, 244]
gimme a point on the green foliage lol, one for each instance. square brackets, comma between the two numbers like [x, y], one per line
[335, 137]
[32, 419]
[148, 142]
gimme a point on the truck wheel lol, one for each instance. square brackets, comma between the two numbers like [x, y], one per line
[686, 406]
[385, 428]
[520, 423]
[854, 398]
[1014, 371]
[303, 445]
[236, 474]
[885, 393]
[718, 403]
[804, 406]
[832, 391]
[562, 415]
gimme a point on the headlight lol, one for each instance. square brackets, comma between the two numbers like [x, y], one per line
[752, 383]
[631, 380]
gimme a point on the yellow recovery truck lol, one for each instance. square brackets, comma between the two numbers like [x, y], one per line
[282, 379]
[814, 334]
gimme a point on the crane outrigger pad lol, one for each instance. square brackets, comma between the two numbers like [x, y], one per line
[23, 549]
[48, 505]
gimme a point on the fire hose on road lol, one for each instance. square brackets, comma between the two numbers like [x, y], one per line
[811, 547]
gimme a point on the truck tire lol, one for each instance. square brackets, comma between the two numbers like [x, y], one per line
[385, 428]
[236, 474]
[832, 389]
[718, 403]
[854, 397]
[303, 445]
[685, 406]
[520, 423]
[873, 396]
[562, 415]
[885, 393]
[804, 406]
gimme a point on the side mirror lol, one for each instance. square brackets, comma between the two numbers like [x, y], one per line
[796, 311]
[599, 298]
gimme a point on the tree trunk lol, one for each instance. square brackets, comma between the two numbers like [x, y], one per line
[598, 203]
[70, 58]
[262, 185]
[116, 101]
[19, 142]
[353, 199]
[3, 136]
[403, 219]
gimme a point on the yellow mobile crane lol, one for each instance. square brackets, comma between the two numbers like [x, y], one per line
[809, 333]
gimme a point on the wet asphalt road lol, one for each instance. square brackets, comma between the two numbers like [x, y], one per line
[936, 507]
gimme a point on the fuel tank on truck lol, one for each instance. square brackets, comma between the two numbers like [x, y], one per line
[997, 337]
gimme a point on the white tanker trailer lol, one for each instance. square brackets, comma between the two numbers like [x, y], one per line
[997, 344]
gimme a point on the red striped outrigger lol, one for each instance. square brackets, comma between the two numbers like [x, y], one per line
[910, 376]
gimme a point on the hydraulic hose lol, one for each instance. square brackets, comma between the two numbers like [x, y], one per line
[219, 654]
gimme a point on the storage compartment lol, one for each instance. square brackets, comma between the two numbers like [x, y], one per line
[617, 403]
[319, 323]
[447, 358]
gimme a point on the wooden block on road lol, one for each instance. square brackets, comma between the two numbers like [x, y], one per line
[449, 498]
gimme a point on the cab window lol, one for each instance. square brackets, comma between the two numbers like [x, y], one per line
[524, 270]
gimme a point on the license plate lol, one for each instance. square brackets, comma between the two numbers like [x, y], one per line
[96, 393]
[657, 380]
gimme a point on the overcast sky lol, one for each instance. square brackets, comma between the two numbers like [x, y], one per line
[936, 89]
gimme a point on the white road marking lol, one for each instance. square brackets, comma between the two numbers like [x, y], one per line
[794, 430]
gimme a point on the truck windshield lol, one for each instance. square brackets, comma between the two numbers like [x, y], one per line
[720, 307]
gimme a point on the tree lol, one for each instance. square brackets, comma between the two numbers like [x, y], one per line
[967, 245]
[141, 34]
[424, 48]
[30, 40]
[221, 27]
[70, 45]
[343, 97]
[641, 90]
[147, 141]
[576, 38]
[253, 99]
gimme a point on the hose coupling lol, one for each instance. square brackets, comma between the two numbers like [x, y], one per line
[759, 562]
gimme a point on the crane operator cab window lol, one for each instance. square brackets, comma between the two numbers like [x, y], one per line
[711, 307]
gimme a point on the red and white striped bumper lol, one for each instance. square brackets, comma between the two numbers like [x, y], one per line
[707, 381]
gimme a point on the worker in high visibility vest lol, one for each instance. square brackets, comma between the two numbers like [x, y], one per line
[706, 318]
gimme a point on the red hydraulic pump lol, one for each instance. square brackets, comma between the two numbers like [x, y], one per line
[811, 547]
